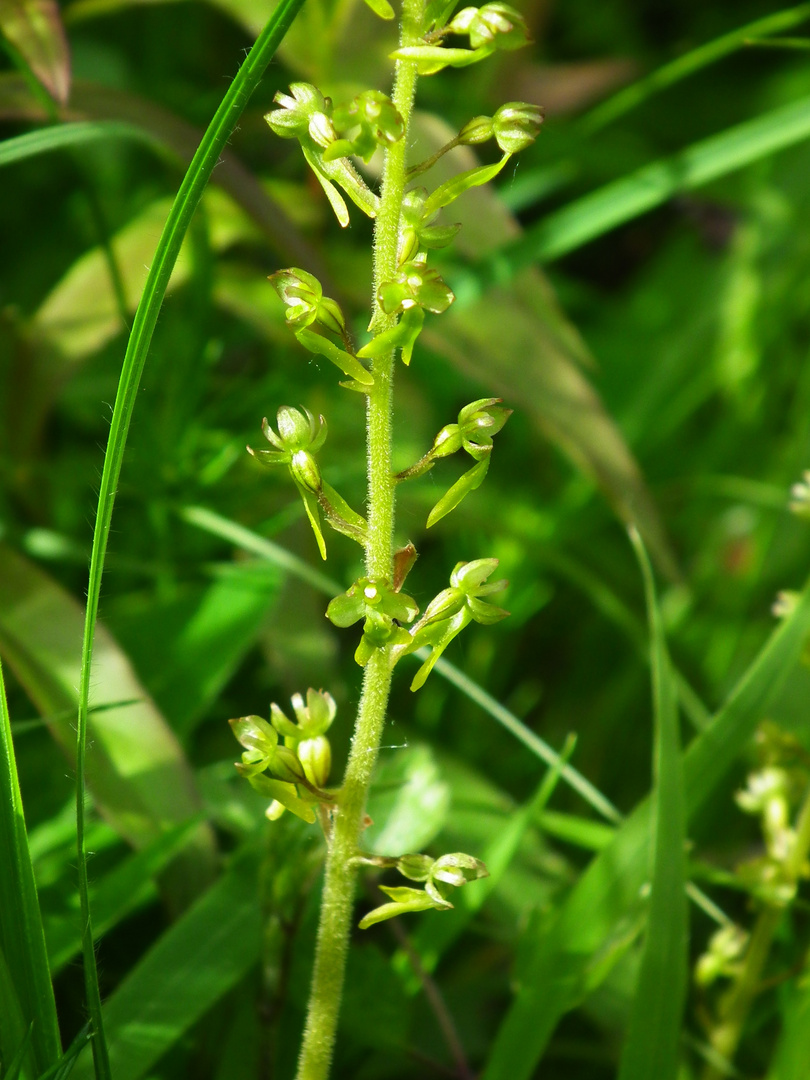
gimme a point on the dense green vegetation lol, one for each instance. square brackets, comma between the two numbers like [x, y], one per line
[634, 287]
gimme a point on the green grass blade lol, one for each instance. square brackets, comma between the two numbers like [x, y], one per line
[191, 189]
[792, 1051]
[22, 938]
[196, 961]
[434, 937]
[118, 894]
[688, 64]
[652, 1042]
[217, 525]
[557, 973]
[258, 545]
[622, 200]
[69, 136]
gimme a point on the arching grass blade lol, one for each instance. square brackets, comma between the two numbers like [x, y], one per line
[199, 173]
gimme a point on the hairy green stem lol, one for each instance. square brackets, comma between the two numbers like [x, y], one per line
[341, 869]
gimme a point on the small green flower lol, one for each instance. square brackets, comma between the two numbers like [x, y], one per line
[417, 233]
[298, 110]
[414, 285]
[299, 436]
[477, 423]
[305, 303]
[516, 125]
[383, 610]
[262, 752]
[379, 123]
[306, 115]
[494, 25]
[439, 875]
[452, 610]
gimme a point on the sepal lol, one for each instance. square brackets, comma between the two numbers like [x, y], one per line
[402, 336]
[345, 362]
[450, 190]
[381, 8]
[284, 797]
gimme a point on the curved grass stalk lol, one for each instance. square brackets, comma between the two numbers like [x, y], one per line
[194, 183]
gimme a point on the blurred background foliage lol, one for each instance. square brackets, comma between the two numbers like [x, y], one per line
[658, 373]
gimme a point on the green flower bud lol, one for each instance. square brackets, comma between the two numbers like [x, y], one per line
[303, 297]
[321, 129]
[785, 604]
[478, 422]
[800, 496]
[315, 756]
[725, 950]
[457, 869]
[497, 25]
[478, 130]
[448, 441]
[516, 125]
[304, 470]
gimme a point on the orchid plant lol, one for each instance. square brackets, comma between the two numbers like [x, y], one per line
[289, 762]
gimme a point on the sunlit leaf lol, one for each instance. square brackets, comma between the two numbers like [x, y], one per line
[137, 771]
[34, 29]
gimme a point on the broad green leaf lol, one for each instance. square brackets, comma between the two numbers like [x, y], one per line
[118, 894]
[408, 802]
[34, 30]
[189, 648]
[567, 229]
[62, 136]
[651, 1047]
[186, 972]
[136, 769]
[80, 314]
[516, 341]
[556, 970]
[22, 940]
